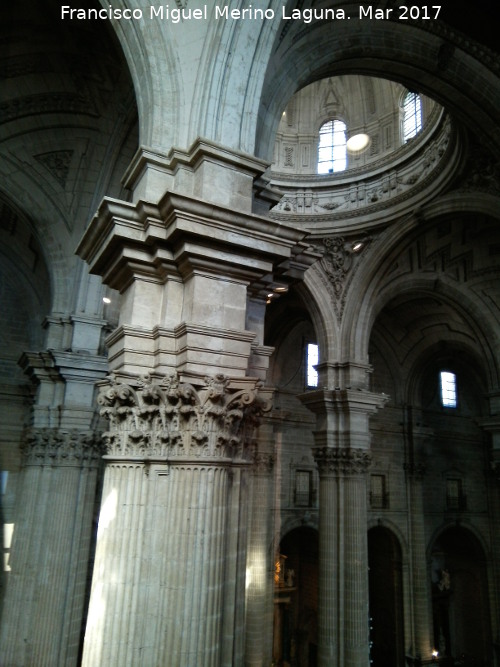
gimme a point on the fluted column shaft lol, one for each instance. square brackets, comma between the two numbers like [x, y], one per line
[343, 636]
[342, 454]
[162, 569]
[46, 589]
[420, 583]
[259, 568]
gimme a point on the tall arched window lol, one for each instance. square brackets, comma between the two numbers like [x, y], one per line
[332, 151]
[448, 389]
[412, 115]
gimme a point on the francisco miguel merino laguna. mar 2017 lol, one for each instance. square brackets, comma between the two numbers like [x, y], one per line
[307, 15]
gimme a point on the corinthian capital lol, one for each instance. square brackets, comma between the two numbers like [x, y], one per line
[46, 446]
[164, 417]
[343, 461]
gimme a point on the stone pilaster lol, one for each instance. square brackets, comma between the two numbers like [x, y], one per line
[159, 592]
[45, 596]
[342, 454]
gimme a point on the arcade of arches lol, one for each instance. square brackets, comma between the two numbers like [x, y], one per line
[177, 489]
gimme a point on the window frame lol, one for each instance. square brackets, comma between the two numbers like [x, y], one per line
[309, 370]
[412, 115]
[335, 163]
[448, 397]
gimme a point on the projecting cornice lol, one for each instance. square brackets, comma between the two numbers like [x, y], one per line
[181, 235]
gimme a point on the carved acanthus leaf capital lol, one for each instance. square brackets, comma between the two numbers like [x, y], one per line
[343, 461]
[46, 446]
[166, 418]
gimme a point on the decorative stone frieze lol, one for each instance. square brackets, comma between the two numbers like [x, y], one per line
[46, 446]
[345, 461]
[483, 172]
[404, 178]
[167, 419]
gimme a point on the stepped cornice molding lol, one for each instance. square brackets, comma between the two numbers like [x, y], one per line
[201, 149]
[168, 241]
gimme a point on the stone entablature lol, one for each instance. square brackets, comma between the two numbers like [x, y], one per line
[409, 176]
[166, 420]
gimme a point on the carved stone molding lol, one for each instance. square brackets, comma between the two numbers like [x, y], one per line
[57, 163]
[341, 462]
[263, 463]
[403, 178]
[166, 419]
[339, 265]
[53, 447]
[482, 173]
[29, 105]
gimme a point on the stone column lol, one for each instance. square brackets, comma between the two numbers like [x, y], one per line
[342, 453]
[418, 442]
[259, 583]
[159, 587]
[46, 593]
[192, 261]
[420, 592]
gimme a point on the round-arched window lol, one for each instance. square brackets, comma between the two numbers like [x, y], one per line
[332, 150]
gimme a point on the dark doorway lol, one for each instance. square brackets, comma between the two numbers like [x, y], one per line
[296, 600]
[386, 599]
[459, 599]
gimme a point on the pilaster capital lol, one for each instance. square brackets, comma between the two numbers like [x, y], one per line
[57, 448]
[342, 462]
[166, 419]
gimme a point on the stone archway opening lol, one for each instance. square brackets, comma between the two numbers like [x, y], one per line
[296, 600]
[386, 598]
[460, 610]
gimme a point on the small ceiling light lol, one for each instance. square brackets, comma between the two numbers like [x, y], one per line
[357, 246]
[358, 142]
[105, 299]
[281, 290]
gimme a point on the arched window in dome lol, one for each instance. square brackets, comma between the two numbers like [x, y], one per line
[332, 151]
[412, 115]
